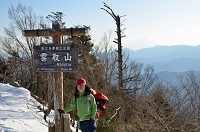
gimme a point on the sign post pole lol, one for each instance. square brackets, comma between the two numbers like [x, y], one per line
[58, 90]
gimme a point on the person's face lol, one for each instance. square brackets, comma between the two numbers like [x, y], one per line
[81, 88]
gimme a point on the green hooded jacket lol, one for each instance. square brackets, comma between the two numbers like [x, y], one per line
[86, 106]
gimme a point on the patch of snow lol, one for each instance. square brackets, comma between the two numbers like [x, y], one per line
[19, 111]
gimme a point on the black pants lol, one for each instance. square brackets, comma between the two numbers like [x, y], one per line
[88, 126]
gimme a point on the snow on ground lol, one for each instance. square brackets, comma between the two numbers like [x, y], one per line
[18, 111]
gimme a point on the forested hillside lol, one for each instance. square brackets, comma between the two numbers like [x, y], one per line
[143, 104]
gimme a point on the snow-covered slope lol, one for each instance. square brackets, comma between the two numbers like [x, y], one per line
[18, 111]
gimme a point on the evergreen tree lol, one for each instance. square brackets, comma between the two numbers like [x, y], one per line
[88, 66]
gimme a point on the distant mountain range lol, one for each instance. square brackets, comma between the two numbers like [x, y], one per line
[172, 77]
[169, 61]
[141, 44]
[177, 58]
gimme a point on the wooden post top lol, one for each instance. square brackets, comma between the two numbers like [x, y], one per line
[56, 32]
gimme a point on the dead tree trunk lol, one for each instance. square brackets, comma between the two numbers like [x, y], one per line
[119, 42]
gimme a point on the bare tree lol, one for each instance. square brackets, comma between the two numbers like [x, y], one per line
[19, 49]
[105, 53]
[117, 41]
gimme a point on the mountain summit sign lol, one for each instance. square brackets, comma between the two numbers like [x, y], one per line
[56, 57]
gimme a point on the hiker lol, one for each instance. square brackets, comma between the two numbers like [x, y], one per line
[86, 109]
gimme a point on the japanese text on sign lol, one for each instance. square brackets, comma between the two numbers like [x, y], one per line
[54, 57]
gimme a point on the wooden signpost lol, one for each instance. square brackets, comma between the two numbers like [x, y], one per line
[54, 57]
[57, 32]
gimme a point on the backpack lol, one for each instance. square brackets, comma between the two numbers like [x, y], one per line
[101, 101]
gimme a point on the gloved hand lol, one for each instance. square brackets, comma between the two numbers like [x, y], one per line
[61, 111]
[92, 119]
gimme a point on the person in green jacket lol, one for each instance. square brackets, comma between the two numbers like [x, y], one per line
[86, 106]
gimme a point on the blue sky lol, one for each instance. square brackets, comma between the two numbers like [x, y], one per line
[161, 22]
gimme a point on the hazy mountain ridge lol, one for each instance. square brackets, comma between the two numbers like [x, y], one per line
[173, 77]
[164, 53]
[178, 65]
[141, 43]
[169, 61]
